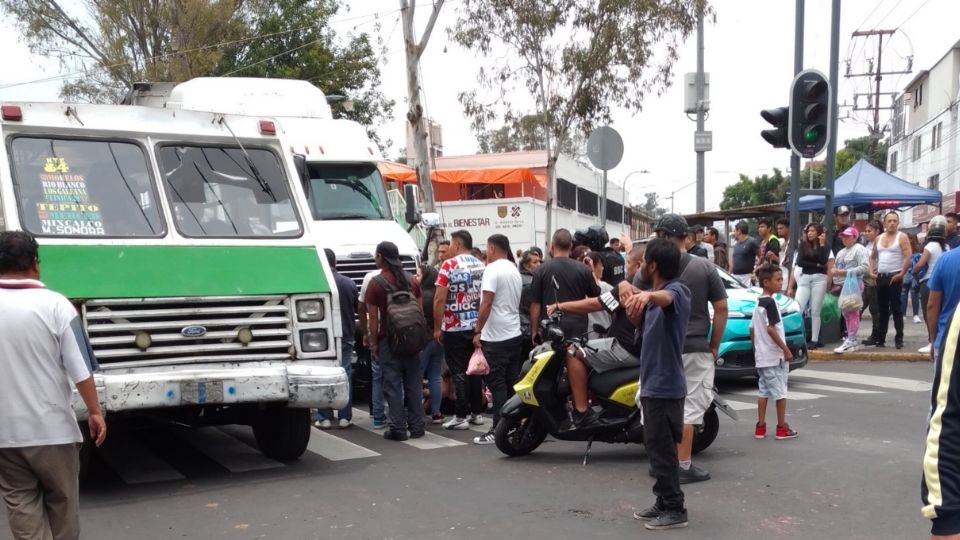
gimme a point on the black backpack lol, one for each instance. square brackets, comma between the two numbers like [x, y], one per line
[407, 330]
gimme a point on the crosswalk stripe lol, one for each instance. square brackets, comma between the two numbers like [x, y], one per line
[429, 441]
[230, 452]
[336, 449]
[799, 396]
[880, 381]
[134, 463]
[829, 388]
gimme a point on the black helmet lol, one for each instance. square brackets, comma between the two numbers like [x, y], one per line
[937, 229]
[594, 237]
[672, 224]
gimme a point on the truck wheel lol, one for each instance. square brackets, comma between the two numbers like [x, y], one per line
[519, 435]
[705, 434]
[283, 433]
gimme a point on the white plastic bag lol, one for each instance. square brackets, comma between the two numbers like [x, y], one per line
[478, 363]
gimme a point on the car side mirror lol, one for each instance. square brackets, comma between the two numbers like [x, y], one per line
[411, 197]
[430, 219]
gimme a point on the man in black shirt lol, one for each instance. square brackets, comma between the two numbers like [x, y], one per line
[574, 281]
[619, 349]
[744, 254]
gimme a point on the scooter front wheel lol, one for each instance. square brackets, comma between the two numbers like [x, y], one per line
[519, 435]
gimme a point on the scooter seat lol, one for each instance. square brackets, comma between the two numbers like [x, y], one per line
[607, 382]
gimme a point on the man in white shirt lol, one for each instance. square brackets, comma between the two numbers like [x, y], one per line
[42, 350]
[498, 327]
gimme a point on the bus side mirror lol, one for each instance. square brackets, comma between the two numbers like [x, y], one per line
[411, 197]
[300, 161]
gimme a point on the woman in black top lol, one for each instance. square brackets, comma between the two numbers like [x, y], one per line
[813, 263]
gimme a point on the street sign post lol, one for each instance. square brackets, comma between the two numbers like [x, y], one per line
[605, 150]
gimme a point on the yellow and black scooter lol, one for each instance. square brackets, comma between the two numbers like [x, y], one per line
[539, 407]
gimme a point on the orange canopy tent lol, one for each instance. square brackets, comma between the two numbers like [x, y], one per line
[517, 181]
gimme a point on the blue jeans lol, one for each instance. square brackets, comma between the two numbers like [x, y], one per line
[376, 391]
[431, 363]
[403, 389]
[346, 413]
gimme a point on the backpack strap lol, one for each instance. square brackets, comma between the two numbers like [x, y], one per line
[390, 288]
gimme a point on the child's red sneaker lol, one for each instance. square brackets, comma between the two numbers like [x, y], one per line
[760, 432]
[784, 432]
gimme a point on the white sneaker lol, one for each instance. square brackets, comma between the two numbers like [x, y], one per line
[924, 350]
[847, 346]
[323, 424]
[344, 423]
[456, 423]
[917, 319]
[476, 420]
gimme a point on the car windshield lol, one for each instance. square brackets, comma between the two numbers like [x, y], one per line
[84, 188]
[729, 282]
[347, 191]
[215, 192]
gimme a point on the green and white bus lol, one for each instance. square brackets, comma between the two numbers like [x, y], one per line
[179, 237]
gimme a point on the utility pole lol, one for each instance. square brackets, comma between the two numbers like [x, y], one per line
[700, 116]
[794, 158]
[414, 51]
[875, 71]
[832, 143]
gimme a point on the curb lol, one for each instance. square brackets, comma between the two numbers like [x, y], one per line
[861, 356]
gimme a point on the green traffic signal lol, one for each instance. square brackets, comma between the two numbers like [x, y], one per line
[811, 134]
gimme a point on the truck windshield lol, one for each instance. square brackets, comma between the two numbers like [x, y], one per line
[90, 188]
[215, 194]
[347, 191]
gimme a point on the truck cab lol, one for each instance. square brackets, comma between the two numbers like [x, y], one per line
[182, 240]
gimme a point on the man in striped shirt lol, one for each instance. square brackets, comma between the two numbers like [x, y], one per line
[42, 350]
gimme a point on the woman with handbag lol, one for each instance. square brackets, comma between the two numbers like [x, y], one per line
[813, 258]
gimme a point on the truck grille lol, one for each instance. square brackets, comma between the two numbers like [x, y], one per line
[356, 268]
[114, 325]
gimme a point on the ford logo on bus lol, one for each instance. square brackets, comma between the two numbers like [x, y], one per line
[193, 331]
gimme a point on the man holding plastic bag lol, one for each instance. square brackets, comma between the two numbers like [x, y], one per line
[498, 335]
[850, 266]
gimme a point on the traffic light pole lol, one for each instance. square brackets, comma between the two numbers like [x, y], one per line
[832, 143]
[700, 116]
[794, 158]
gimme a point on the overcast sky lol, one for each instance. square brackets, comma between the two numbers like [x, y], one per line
[749, 55]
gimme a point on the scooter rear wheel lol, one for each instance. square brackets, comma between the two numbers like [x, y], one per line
[519, 435]
[705, 434]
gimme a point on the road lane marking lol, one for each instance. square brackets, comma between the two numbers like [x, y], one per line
[895, 383]
[228, 451]
[429, 441]
[334, 448]
[134, 463]
[829, 388]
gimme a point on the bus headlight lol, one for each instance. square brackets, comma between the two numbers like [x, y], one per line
[310, 310]
[312, 341]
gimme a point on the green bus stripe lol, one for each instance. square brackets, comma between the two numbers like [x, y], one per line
[97, 271]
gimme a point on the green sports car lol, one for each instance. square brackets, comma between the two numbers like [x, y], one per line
[736, 351]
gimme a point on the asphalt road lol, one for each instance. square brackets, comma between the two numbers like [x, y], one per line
[854, 472]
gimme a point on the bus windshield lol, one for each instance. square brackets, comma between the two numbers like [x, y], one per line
[216, 193]
[84, 188]
[347, 191]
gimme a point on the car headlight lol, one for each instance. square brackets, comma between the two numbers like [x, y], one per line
[792, 307]
[313, 341]
[310, 310]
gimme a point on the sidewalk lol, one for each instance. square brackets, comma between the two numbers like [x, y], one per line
[914, 337]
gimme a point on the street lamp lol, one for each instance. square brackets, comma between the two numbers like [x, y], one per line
[623, 187]
[679, 189]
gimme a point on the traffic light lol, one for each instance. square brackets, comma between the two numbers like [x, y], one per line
[810, 110]
[778, 118]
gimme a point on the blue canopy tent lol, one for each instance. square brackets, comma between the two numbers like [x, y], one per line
[865, 187]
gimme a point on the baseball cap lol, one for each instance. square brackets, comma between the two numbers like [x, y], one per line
[843, 210]
[389, 253]
[850, 232]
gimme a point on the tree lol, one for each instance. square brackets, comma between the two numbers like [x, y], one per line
[764, 189]
[652, 205]
[126, 41]
[576, 59]
[312, 52]
[414, 51]
[525, 133]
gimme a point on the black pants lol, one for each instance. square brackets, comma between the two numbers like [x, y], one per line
[662, 431]
[924, 298]
[457, 348]
[402, 389]
[870, 302]
[888, 298]
[504, 360]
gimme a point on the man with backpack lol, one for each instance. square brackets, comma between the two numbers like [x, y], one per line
[397, 321]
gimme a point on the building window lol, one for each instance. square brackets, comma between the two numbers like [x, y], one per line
[917, 148]
[893, 161]
[918, 97]
[933, 182]
[937, 136]
[472, 192]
